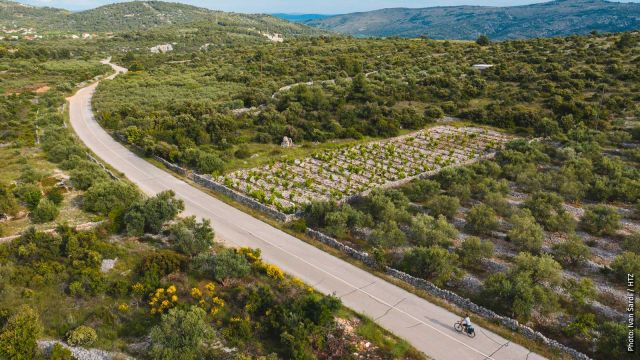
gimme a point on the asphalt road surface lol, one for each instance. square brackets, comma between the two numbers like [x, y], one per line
[426, 326]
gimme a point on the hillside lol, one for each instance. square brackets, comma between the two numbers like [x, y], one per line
[131, 16]
[14, 14]
[555, 18]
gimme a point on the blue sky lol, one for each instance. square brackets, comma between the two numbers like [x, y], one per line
[294, 6]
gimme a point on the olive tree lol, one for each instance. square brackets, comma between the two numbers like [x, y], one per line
[481, 220]
[106, 196]
[548, 209]
[191, 237]
[182, 334]
[601, 220]
[151, 214]
[473, 250]
[572, 252]
[433, 263]
[525, 232]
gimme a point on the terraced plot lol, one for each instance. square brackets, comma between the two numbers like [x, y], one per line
[340, 174]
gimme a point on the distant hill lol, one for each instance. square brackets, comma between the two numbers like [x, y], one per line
[139, 15]
[300, 17]
[14, 14]
[555, 18]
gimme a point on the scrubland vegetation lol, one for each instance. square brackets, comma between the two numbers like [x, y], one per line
[545, 232]
[143, 282]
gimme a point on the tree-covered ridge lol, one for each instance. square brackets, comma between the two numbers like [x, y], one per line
[139, 15]
[553, 18]
[228, 104]
[14, 14]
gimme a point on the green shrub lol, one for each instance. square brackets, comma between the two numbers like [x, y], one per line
[625, 264]
[229, 264]
[427, 231]
[8, 203]
[19, 335]
[55, 196]
[613, 340]
[29, 195]
[159, 264]
[434, 263]
[421, 190]
[182, 334]
[81, 336]
[243, 152]
[481, 219]
[31, 175]
[190, 237]
[548, 209]
[582, 325]
[525, 232]
[483, 40]
[443, 205]
[46, 211]
[151, 214]
[85, 174]
[210, 164]
[601, 220]
[632, 243]
[473, 250]
[59, 352]
[105, 196]
[498, 202]
[527, 287]
[573, 251]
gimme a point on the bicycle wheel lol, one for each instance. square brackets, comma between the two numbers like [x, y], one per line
[458, 326]
[471, 334]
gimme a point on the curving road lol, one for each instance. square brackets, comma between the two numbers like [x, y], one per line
[426, 326]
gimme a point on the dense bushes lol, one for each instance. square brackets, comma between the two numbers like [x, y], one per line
[19, 335]
[221, 266]
[81, 336]
[481, 219]
[8, 203]
[190, 237]
[601, 220]
[525, 288]
[148, 215]
[521, 92]
[107, 196]
[433, 263]
[45, 211]
[182, 334]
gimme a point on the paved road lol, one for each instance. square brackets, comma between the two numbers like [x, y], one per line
[426, 326]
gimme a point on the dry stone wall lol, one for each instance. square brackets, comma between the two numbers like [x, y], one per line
[207, 182]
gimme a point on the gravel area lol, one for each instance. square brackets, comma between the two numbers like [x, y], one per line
[82, 353]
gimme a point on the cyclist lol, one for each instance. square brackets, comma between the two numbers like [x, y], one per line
[468, 326]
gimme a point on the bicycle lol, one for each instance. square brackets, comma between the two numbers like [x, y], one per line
[460, 327]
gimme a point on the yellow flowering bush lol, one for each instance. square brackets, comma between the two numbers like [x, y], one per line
[253, 255]
[297, 282]
[163, 300]
[208, 301]
[123, 307]
[137, 288]
[196, 293]
[274, 272]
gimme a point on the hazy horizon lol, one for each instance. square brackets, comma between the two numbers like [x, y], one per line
[293, 7]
